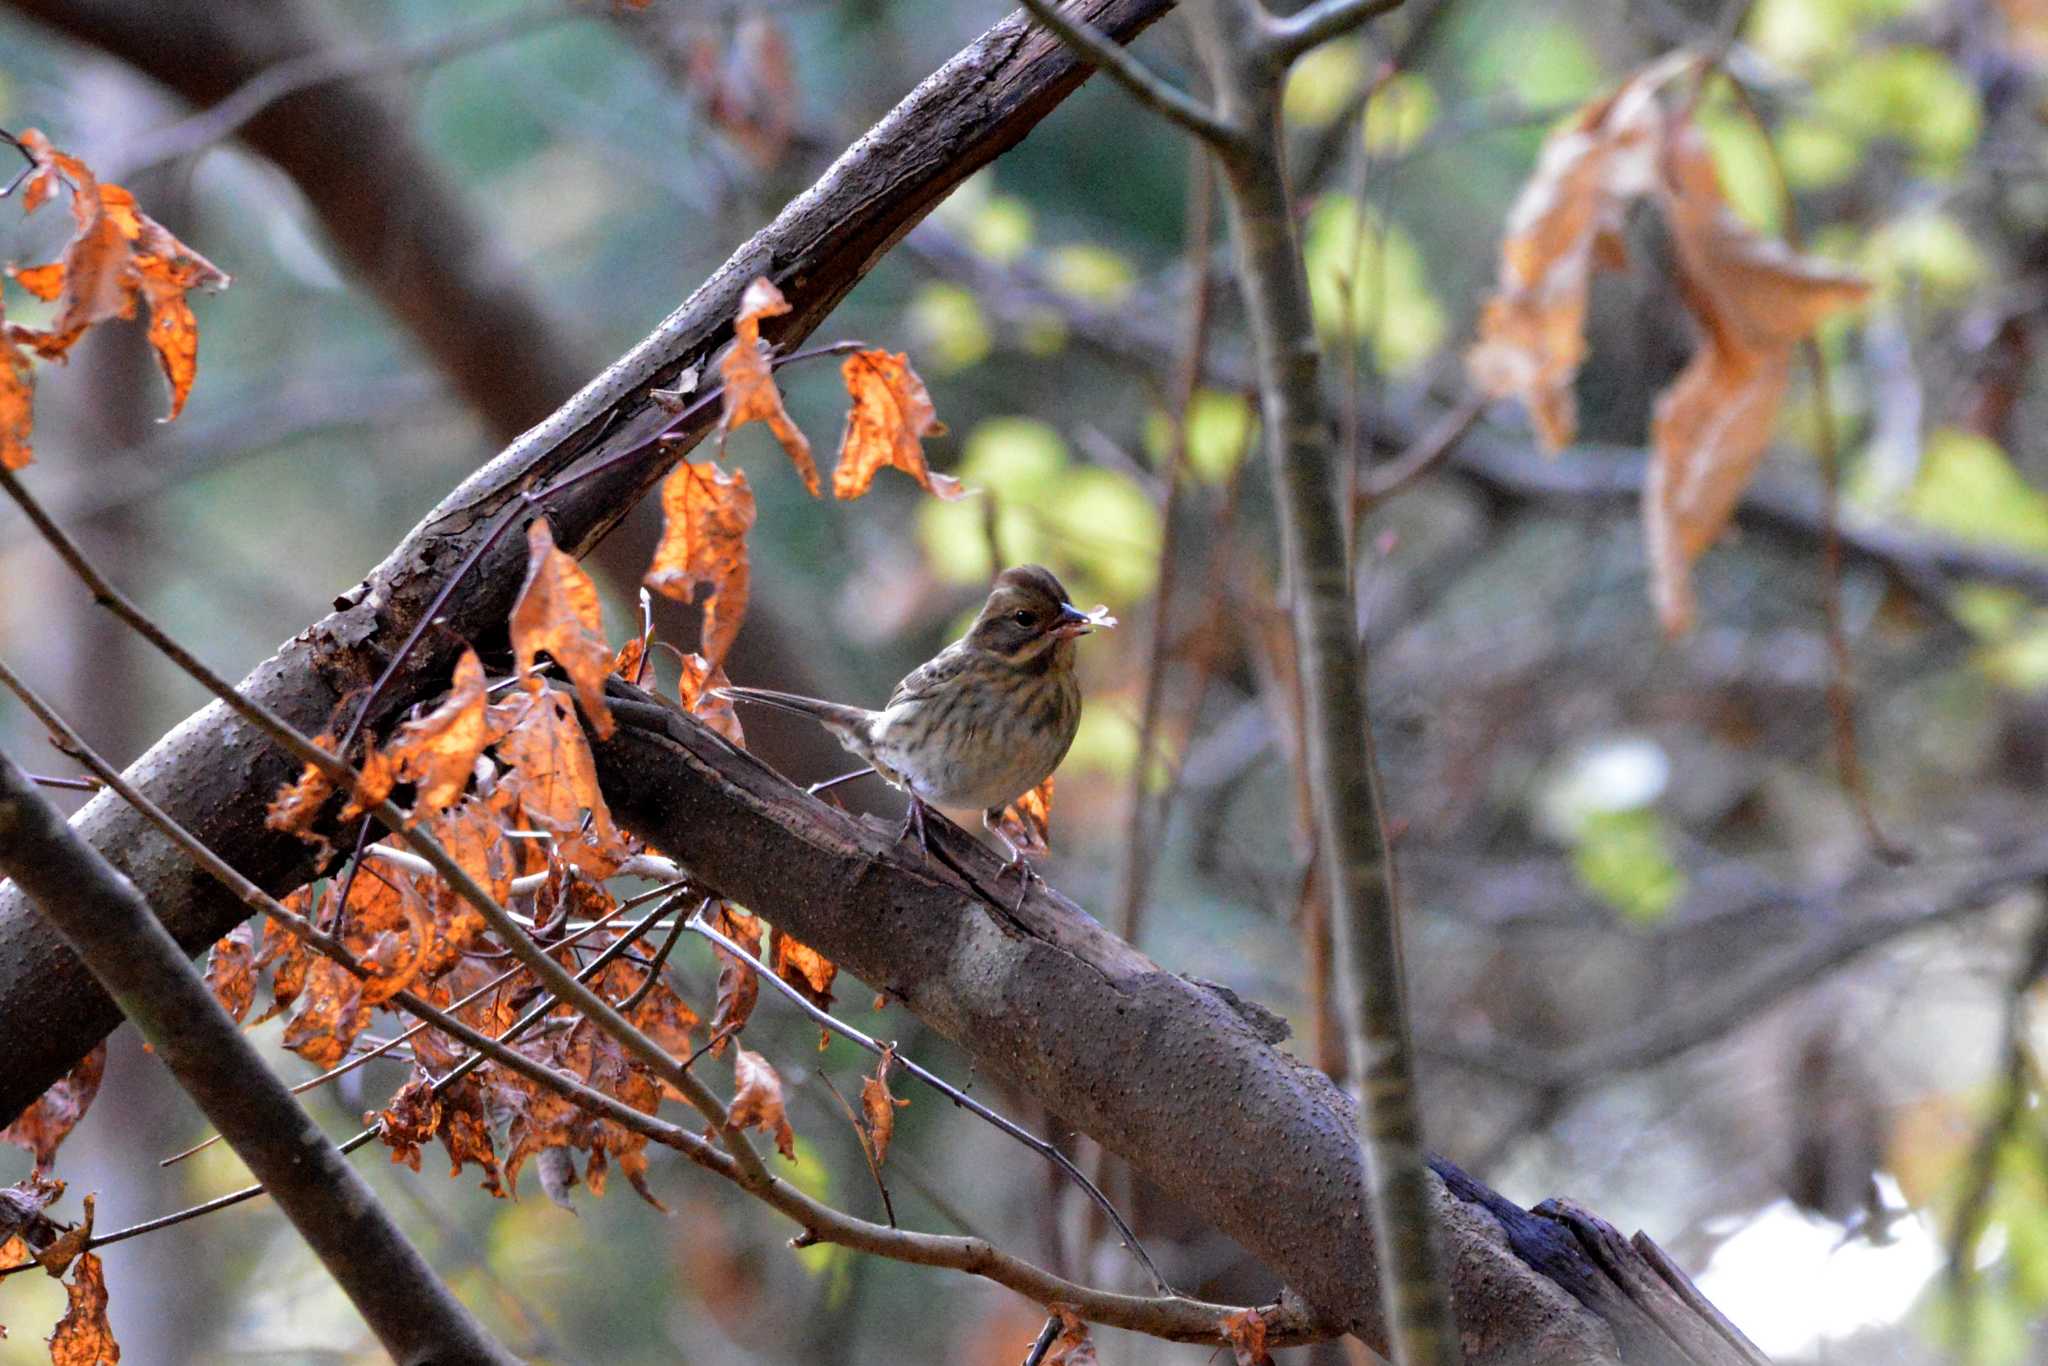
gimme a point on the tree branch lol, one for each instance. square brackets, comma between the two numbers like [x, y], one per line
[106, 921]
[211, 773]
[1336, 748]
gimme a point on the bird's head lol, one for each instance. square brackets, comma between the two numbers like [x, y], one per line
[1027, 614]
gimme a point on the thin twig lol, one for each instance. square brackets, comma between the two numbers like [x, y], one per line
[698, 925]
[1841, 689]
[1096, 48]
[1430, 450]
[222, 120]
[867, 1147]
[65, 784]
[1138, 839]
[1318, 23]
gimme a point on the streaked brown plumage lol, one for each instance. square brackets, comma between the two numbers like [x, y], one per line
[982, 722]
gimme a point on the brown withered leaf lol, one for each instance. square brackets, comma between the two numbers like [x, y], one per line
[43, 1126]
[748, 92]
[435, 752]
[1027, 822]
[738, 987]
[1073, 1346]
[878, 1107]
[465, 1131]
[1565, 223]
[700, 678]
[750, 394]
[289, 952]
[298, 804]
[327, 1014]
[1755, 300]
[411, 1119]
[117, 255]
[552, 779]
[83, 1336]
[231, 970]
[706, 514]
[1246, 1333]
[24, 1228]
[17, 402]
[390, 928]
[631, 661]
[757, 1101]
[557, 611]
[803, 967]
[890, 416]
[66, 1247]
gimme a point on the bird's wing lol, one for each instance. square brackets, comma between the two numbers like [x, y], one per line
[930, 676]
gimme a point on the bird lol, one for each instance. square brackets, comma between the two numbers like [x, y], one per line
[982, 722]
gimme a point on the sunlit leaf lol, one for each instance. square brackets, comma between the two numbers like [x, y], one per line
[750, 394]
[878, 1107]
[696, 689]
[557, 611]
[438, 751]
[890, 416]
[1027, 822]
[83, 1336]
[43, 1126]
[231, 970]
[757, 1101]
[706, 514]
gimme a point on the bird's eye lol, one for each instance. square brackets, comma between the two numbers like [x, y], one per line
[1023, 617]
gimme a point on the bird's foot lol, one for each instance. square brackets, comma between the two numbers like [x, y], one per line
[913, 824]
[1026, 875]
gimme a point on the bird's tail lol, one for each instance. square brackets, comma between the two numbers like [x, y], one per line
[833, 716]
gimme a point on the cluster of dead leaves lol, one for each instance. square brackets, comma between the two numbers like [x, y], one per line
[707, 512]
[1752, 298]
[83, 1337]
[509, 787]
[117, 256]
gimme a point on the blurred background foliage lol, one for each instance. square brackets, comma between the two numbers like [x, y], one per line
[1625, 859]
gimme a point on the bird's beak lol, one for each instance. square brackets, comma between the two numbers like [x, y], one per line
[1071, 622]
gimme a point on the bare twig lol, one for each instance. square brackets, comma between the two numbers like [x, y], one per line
[1139, 835]
[1145, 86]
[1427, 452]
[223, 120]
[1318, 23]
[699, 925]
[65, 784]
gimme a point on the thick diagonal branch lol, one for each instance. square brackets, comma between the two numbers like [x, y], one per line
[215, 776]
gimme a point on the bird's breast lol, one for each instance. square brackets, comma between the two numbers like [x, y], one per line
[984, 743]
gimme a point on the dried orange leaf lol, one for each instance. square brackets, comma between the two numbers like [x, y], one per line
[803, 967]
[697, 690]
[557, 611]
[437, 752]
[45, 1123]
[1246, 1332]
[297, 805]
[83, 1336]
[411, 1120]
[17, 402]
[1566, 220]
[750, 394]
[1753, 297]
[886, 426]
[465, 1131]
[327, 1015]
[553, 780]
[1755, 300]
[1073, 1346]
[117, 254]
[757, 1101]
[738, 987]
[1027, 822]
[878, 1107]
[231, 970]
[706, 514]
